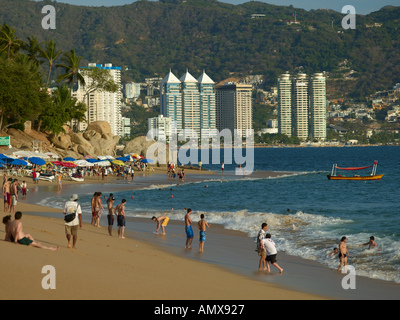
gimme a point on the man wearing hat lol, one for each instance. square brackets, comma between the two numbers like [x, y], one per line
[71, 228]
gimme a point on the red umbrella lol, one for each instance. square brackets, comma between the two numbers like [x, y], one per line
[69, 164]
[57, 163]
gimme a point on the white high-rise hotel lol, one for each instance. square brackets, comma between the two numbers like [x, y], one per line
[189, 102]
[302, 106]
[102, 105]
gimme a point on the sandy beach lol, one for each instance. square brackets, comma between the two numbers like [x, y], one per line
[148, 267]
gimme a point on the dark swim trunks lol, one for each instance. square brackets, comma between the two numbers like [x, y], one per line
[120, 221]
[25, 241]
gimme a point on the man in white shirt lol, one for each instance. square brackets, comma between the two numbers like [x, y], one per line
[270, 247]
[71, 228]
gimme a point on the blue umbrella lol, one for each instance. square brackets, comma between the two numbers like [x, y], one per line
[3, 156]
[125, 159]
[147, 160]
[69, 159]
[38, 161]
[92, 160]
[18, 162]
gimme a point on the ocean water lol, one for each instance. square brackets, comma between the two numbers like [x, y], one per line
[320, 211]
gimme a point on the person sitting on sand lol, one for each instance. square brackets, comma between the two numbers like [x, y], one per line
[15, 233]
[161, 221]
[371, 243]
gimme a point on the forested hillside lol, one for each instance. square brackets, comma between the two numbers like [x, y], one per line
[148, 38]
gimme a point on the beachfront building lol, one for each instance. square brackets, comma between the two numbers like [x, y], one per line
[171, 99]
[285, 104]
[234, 107]
[300, 106]
[189, 102]
[207, 105]
[101, 105]
[132, 90]
[164, 125]
[318, 106]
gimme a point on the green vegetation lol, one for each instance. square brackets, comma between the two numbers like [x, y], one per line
[23, 93]
[149, 37]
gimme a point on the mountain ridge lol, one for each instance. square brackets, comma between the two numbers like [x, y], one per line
[148, 38]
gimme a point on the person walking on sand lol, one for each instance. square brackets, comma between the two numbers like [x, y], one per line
[15, 233]
[162, 222]
[343, 253]
[271, 251]
[188, 229]
[371, 243]
[121, 218]
[71, 228]
[203, 225]
[111, 212]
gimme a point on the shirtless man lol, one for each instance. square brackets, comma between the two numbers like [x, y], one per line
[188, 229]
[111, 212]
[97, 206]
[17, 235]
[343, 253]
[371, 243]
[121, 218]
[161, 221]
[203, 225]
[92, 202]
[6, 194]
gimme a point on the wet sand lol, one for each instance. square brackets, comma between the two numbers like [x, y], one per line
[226, 270]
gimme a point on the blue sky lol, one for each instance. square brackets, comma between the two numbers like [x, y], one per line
[361, 6]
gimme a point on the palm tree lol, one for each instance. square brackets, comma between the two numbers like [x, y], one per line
[32, 48]
[71, 67]
[8, 41]
[50, 54]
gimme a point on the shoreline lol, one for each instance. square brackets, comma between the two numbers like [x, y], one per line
[293, 282]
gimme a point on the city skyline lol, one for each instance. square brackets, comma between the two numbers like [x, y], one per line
[361, 6]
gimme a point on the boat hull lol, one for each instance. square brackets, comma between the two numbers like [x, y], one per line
[374, 177]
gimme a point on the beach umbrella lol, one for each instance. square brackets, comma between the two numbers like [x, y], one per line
[68, 164]
[136, 156]
[125, 159]
[103, 163]
[147, 161]
[36, 160]
[83, 163]
[69, 159]
[117, 162]
[91, 160]
[18, 162]
[57, 163]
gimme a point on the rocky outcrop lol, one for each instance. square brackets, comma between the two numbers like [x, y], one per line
[97, 140]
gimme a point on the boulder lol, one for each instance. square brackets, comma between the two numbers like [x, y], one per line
[101, 127]
[62, 141]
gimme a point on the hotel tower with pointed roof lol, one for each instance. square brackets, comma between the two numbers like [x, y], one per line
[189, 102]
